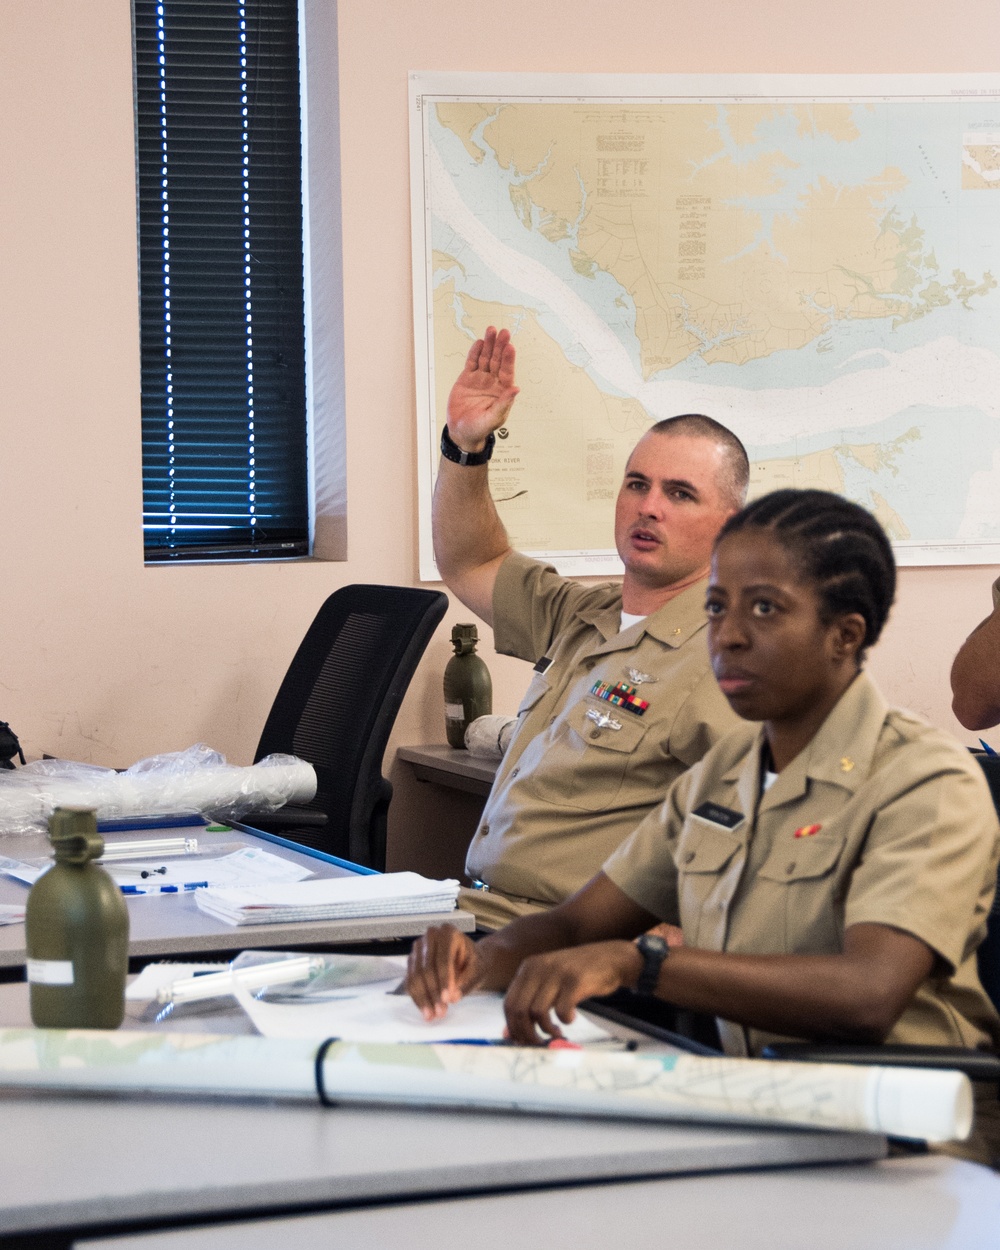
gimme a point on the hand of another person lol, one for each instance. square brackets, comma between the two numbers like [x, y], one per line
[671, 934]
[561, 979]
[481, 397]
[443, 967]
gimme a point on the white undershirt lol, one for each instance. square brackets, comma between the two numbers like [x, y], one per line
[769, 780]
[629, 619]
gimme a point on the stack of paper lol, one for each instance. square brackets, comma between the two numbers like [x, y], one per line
[332, 898]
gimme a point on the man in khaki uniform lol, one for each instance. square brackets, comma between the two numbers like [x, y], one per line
[622, 699]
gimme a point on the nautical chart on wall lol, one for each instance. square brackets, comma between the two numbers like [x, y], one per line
[813, 261]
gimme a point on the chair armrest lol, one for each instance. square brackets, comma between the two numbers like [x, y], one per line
[287, 818]
[976, 1064]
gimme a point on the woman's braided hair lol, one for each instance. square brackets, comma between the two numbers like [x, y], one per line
[838, 545]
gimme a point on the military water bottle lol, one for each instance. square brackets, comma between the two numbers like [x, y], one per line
[76, 925]
[468, 691]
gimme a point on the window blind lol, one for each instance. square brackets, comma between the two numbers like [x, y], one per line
[219, 159]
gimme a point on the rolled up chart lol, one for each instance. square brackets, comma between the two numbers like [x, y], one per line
[934, 1106]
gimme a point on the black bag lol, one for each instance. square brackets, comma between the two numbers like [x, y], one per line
[9, 746]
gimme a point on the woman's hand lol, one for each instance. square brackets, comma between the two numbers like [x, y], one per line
[561, 979]
[443, 967]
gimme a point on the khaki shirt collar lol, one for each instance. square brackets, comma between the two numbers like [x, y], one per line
[840, 754]
[673, 624]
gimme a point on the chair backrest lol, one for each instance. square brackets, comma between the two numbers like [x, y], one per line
[339, 700]
[988, 955]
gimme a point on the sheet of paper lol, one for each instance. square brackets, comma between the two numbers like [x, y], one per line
[11, 913]
[382, 1017]
[20, 871]
[249, 866]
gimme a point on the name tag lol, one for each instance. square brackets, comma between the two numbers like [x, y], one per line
[542, 664]
[719, 815]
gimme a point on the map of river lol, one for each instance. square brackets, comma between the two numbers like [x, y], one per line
[813, 262]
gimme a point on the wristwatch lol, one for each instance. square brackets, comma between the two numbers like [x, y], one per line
[451, 451]
[654, 951]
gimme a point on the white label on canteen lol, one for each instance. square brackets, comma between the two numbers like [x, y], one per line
[454, 711]
[50, 971]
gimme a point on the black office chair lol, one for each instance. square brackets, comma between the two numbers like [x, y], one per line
[976, 1064]
[336, 708]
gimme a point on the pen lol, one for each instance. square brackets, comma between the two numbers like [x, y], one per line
[986, 747]
[163, 889]
[213, 984]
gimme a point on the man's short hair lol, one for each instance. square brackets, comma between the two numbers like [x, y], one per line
[737, 464]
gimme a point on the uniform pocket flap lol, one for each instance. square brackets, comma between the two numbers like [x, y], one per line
[705, 847]
[609, 727]
[802, 858]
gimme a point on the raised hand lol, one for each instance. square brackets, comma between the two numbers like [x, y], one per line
[481, 397]
[443, 967]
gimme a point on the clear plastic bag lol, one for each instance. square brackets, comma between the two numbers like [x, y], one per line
[197, 780]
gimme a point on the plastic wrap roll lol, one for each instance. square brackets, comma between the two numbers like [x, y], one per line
[196, 780]
[488, 737]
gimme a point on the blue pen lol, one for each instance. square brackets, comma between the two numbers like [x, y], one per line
[163, 889]
[986, 747]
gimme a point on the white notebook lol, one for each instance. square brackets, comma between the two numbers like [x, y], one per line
[330, 898]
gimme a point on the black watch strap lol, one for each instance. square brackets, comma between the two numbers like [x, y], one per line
[451, 451]
[654, 950]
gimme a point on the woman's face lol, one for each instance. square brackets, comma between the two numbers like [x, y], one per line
[774, 658]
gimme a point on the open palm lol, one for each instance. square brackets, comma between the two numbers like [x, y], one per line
[482, 396]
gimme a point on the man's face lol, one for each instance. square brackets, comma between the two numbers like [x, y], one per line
[670, 508]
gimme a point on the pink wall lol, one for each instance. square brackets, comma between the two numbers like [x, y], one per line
[107, 660]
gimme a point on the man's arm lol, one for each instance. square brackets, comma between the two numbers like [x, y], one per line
[975, 676]
[470, 542]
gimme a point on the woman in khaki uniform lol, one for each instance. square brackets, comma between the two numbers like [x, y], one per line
[831, 868]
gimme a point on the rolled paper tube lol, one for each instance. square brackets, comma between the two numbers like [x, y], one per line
[487, 737]
[926, 1104]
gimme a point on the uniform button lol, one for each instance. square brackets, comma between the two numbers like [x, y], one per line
[514, 772]
[790, 868]
[689, 857]
[485, 830]
[595, 733]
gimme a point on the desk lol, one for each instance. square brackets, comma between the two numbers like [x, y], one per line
[924, 1203]
[438, 798]
[100, 1162]
[173, 924]
[448, 766]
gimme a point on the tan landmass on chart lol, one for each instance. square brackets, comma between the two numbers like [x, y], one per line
[981, 167]
[557, 465]
[880, 457]
[463, 117]
[823, 470]
[889, 519]
[444, 260]
[651, 195]
[836, 120]
[818, 470]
